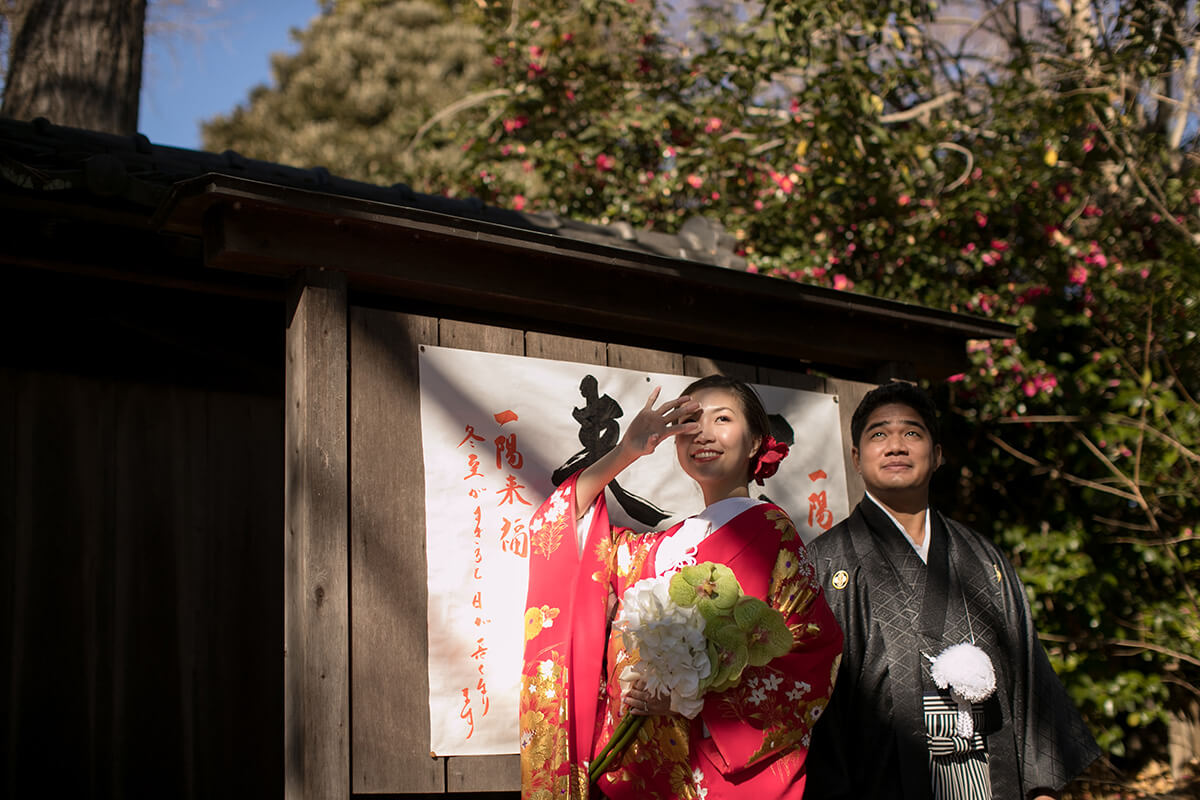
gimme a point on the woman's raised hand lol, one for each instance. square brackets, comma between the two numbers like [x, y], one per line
[651, 425]
[643, 433]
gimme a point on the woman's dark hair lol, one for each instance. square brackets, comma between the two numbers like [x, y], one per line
[896, 392]
[756, 415]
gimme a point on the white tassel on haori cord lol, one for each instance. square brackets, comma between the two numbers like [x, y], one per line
[969, 674]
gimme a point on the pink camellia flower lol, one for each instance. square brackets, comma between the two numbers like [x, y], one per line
[535, 51]
[1029, 389]
[716, 195]
[535, 70]
[1096, 256]
[694, 181]
[990, 258]
[1077, 275]
[566, 37]
[903, 200]
[999, 245]
[956, 378]
[783, 181]
[980, 219]
[969, 247]
[570, 96]
[1092, 211]
[1155, 218]
[1088, 144]
[758, 205]
[818, 272]
[712, 125]
[519, 202]
[842, 283]
[605, 162]
[751, 267]
[515, 123]
[505, 149]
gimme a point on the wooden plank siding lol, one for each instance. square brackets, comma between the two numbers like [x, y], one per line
[389, 652]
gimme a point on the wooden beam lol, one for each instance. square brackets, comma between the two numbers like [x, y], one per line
[650, 299]
[316, 604]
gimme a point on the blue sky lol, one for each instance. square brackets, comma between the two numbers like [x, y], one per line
[203, 57]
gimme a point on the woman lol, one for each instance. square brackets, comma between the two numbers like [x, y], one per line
[748, 741]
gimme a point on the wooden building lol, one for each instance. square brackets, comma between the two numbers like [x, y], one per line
[210, 464]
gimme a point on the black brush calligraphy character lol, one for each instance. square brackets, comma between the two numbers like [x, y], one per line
[599, 432]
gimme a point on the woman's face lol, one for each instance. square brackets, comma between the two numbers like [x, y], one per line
[719, 454]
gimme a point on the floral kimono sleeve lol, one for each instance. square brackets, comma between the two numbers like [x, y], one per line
[772, 710]
[566, 614]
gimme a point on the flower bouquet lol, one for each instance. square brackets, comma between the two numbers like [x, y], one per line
[689, 634]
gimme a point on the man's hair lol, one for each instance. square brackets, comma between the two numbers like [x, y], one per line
[895, 392]
[756, 415]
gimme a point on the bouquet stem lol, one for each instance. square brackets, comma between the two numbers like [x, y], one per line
[626, 729]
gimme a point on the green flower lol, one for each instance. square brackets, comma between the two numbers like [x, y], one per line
[767, 635]
[711, 588]
[728, 651]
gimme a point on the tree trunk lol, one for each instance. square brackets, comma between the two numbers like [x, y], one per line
[76, 62]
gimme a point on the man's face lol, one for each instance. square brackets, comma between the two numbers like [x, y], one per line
[896, 453]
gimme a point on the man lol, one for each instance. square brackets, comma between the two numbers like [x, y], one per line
[907, 584]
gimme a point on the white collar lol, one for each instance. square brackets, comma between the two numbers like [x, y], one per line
[679, 549]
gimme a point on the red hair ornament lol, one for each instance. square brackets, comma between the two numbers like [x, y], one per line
[769, 456]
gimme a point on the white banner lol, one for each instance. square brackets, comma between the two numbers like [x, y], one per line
[499, 433]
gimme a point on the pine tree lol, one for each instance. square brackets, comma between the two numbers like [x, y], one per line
[368, 76]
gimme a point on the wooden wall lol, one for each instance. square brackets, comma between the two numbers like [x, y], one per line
[140, 514]
[390, 715]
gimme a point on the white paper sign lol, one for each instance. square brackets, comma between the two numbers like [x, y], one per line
[498, 433]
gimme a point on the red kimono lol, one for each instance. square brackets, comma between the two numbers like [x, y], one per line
[757, 731]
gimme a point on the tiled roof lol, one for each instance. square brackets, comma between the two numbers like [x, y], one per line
[133, 174]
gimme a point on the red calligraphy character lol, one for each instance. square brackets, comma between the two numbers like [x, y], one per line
[480, 651]
[474, 492]
[473, 463]
[508, 444]
[518, 544]
[471, 437]
[478, 555]
[478, 577]
[477, 600]
[818, 475]
[482, 687]
[511, 493]
[818, 512]
[478, 521]
[467, 713]
[505, 417]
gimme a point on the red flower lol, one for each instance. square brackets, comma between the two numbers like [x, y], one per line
[769, 456]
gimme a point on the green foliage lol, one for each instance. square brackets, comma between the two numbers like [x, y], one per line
[1031, 172]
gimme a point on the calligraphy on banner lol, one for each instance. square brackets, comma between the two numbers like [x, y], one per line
[498, 434]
